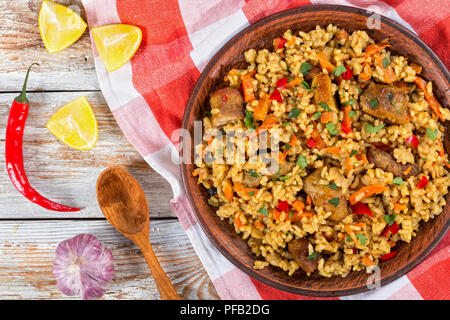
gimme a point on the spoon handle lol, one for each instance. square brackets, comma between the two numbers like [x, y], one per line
[163, 283]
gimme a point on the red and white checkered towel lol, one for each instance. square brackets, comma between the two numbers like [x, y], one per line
[148, 96]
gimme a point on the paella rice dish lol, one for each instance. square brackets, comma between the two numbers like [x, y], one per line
[324, 152]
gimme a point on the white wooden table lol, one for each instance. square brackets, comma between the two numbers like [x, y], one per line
[29, 234]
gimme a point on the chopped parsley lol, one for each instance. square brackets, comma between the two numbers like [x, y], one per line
[399, 181]
[263, 210]
[334, 202]
[305, 85]
[251, 193]
[302, 161]
[305, 67]
[294, 113]
[312, 256]
[324, 106]
[249, 120]
[352, 113]
[390, 219]
[353, 153]
[369, 128]
[284, 178]
[349, 102]
[339, 70]
[331, 127]
[374, 103]
[253, 173]
[348, 239]
[208, 113]
[362, 238]
[332, 186]
[386, 62]
[432, 134]
[317, 115]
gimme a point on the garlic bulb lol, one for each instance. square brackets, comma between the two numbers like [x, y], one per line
[83, 267]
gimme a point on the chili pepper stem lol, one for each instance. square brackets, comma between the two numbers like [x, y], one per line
[22, 98]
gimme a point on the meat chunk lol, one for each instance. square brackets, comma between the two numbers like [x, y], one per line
[230, 105]
[298, 248]
[321, 195]
[386, 102]
[286, 167]
[312, 73]
[323, 92]
[385, 161]
[250, 181]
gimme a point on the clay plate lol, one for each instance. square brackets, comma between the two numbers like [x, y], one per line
[260, 35]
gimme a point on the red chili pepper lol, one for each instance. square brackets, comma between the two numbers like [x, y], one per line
[283, 206]
[413, 140]
[361, 209]
[311, 143]
[276, 95]
[347, 75]
[14, 153]
[393, 229]
[345, 128]
[388, 256]
[281, 83]
[422, 183]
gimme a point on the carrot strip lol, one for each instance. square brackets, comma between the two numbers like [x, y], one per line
[237, 222]
[318, 139]
[347, 121]
[247, 88]
[367, 261]
[400, 207]
[333, 150]
[375, 48]
[324, 63]
[408, 170]
[417, 68]
[259, 225]
[260, 111]
[368, 72]
[348, 163]
[366, 192]
[276, 214]
[291, 144]
[431, 99]
[228, 190]
[308, 201]
[294, 82]
[298, 205]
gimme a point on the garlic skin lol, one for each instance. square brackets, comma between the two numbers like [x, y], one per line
[83, 267]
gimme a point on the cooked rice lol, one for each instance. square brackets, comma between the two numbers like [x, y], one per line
[266, 236]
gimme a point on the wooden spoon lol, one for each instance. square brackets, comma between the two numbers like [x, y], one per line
[124, 205]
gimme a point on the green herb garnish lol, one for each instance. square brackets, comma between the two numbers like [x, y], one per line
[348, 239]
[362, 238]
[432, 134]
[305, 67]
[353, 153]
[284, 178]
[390, 219]
[302, 161]
[399, 181]
[317, 115]
[294, 113]
[312, 256]
[249, 120]
[324, 106]
[374, 103]
[253, 173]
[369, 128]
[331, 128]
[339, 70]
[349, 102]
[352, 113]
[305, 85]
[332, 186]
[263, 210]
[386, 62]
[334, 202]
[251, 193]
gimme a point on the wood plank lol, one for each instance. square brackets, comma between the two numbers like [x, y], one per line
[69, 176]
[27, 251]
[21, 45]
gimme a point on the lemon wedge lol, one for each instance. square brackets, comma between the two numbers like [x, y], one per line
[75, 125]
[116, 44]
[59, 26]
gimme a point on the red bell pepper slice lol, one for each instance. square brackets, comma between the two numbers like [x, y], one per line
[361, 209]
[276, 95]
[347, 75]
[281, 83]
[388, 256]
[311, 143]
[422, 183]
[413, 140]
[283, 206]
[279, 43]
